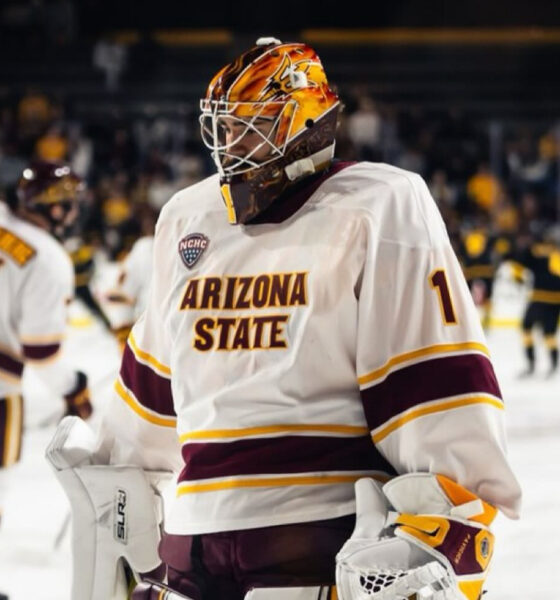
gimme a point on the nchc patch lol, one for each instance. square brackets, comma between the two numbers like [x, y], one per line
[191, 248]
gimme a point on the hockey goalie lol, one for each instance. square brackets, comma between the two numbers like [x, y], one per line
[308, 331]
[418, 534]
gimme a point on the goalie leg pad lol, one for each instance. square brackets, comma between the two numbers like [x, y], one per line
[116, 515]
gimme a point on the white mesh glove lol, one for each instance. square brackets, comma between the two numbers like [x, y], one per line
[436, 544]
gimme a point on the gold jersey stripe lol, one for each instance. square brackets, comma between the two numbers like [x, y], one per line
[421, 352]
[9, 377]
[228, 484]
[14, 415]
[11, 353]
[434, 408]
[42, 340]
[479, 271]
[264, 430]
[141, 411]
[147, 357]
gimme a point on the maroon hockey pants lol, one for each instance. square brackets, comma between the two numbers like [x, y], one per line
[224, 566]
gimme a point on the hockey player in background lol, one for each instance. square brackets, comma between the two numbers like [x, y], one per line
[36, 284]
[127, 298]
[537, 259]
[82, 255]
[308, 326]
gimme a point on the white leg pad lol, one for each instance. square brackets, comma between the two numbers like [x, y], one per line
[116, 514]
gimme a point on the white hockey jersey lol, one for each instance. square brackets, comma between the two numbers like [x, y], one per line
[128, 297]
[279, 362]
[36, 285]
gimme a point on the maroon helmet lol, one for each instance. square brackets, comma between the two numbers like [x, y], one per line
[48, 194]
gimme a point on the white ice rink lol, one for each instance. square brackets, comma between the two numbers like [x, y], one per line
[36, 565]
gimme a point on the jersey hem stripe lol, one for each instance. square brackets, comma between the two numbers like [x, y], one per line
[349, 430]
[193, 488]
[421, 352]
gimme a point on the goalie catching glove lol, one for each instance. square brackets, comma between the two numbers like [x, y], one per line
[436, 545]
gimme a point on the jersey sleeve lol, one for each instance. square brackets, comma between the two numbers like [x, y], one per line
[140, 421]
[430, 394]
[45, 294]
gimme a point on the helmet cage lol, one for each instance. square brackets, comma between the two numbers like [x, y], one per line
[267, 124]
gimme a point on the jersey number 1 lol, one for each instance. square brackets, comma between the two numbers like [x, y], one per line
[438, 281]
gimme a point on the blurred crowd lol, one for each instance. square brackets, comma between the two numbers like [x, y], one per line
[502, 177]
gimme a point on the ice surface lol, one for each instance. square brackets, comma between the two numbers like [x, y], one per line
[35, 563]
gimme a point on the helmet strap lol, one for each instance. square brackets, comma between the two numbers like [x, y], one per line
[310, 164]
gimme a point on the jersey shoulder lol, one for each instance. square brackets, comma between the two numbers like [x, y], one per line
[198, 199]
[395, 200]
[33, 247]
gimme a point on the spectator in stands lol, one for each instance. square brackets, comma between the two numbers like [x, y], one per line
[53, 145]
[483, 188]
[111, 58]
[364, 128]
[529, 168]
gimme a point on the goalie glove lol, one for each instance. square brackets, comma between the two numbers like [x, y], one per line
[78, 400]
[436, 545]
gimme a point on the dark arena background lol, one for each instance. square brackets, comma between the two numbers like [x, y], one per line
[467, 94]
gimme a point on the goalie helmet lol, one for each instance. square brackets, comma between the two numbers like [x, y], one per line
[269, 119]
[48, 194]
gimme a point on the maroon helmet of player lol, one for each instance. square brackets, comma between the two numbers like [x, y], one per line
[48, 194]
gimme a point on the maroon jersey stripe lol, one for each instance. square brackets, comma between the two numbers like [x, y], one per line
[11, 365]
[40, 351]
[426, 381]
[150, 389]
[281, 455]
